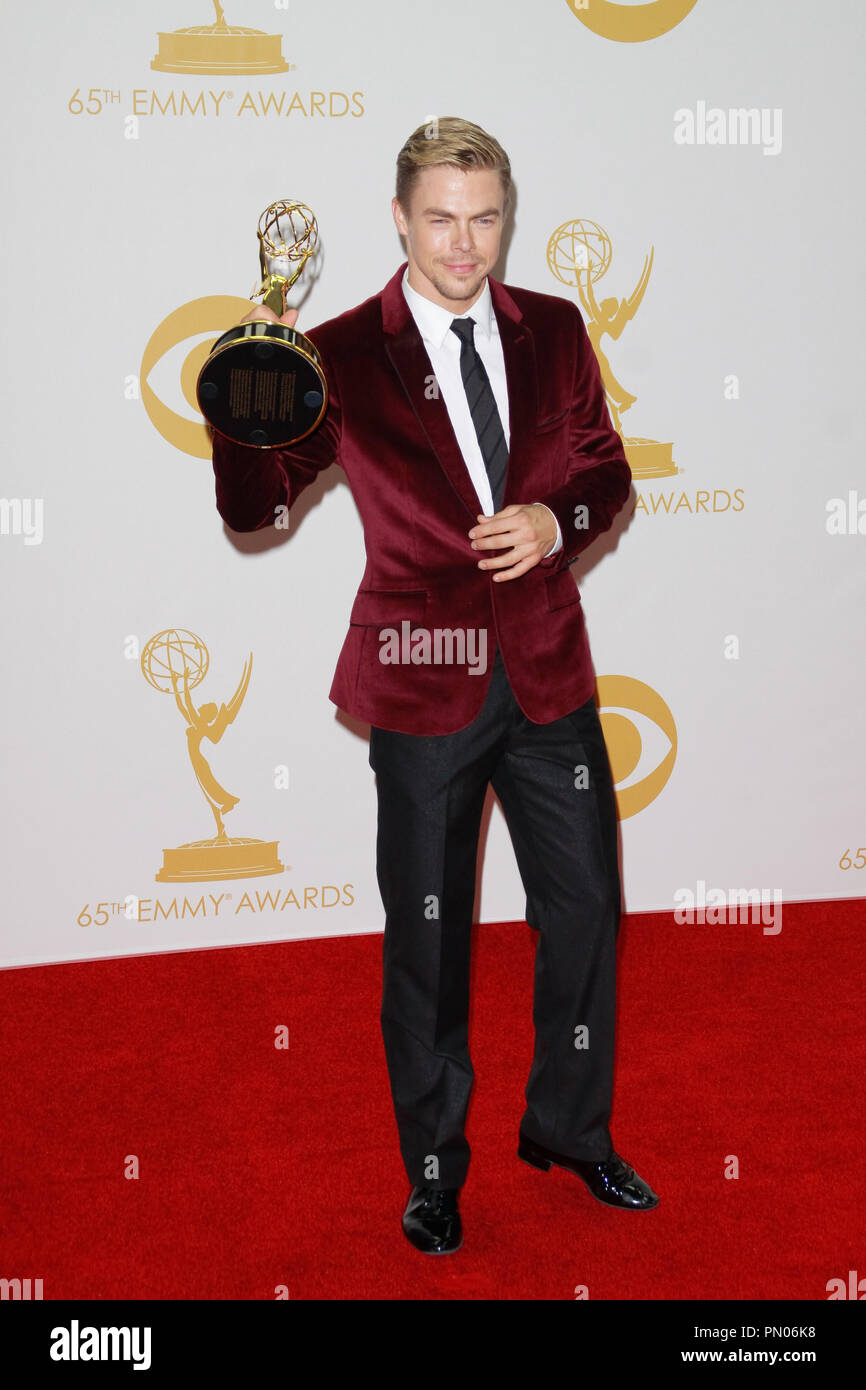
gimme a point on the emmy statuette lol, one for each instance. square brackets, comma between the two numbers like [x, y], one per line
[263, 383]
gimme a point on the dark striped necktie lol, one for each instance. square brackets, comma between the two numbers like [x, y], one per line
[482, 407]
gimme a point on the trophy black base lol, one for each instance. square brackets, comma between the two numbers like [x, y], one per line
[263, 385]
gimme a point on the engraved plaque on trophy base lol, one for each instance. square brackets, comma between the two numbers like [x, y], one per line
[263, 385]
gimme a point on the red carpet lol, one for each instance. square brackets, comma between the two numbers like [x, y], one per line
[262, 1167]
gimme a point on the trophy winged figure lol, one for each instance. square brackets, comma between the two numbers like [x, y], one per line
[610, 317]
[209, 721]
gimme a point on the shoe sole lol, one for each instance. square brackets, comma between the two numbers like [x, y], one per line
[452, 1251]
[537, 1160]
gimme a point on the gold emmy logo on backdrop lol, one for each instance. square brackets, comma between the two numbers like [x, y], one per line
[212, 314]
[579, 253]
[174, 662]
[619, 698]
[631, 23]
[220, 48]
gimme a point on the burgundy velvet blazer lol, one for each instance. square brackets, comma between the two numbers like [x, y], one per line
[392, 436]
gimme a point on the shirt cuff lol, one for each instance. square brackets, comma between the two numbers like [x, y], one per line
[557, 544]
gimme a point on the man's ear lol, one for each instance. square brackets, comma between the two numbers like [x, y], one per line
[399, 218]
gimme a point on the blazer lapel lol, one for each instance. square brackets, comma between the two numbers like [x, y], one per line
[412, 365]
[408, 356]
[518, 349]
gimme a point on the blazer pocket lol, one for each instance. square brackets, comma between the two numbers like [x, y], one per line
[561, 589]
[553, 423]
[387, 607]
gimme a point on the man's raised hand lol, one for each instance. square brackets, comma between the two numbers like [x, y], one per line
[261, 312]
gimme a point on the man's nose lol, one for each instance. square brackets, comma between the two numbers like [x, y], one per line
[462, 236]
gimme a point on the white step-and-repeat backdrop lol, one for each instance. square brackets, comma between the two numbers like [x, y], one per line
[686, 173]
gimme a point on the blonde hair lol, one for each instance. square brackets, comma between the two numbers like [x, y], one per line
[449, 140]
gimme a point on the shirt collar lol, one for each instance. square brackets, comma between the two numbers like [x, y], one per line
[434, 322]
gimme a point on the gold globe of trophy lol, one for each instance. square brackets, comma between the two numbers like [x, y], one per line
[174, 662]
[263, 383]
[579, 253]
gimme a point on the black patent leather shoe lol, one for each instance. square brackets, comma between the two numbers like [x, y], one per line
[431, 1220]
[613, 1182]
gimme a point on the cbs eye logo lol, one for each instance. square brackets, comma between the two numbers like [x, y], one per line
[175, 360]
[641, 739]
[631, 23]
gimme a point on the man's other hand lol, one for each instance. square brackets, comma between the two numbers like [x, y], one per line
[529, 531]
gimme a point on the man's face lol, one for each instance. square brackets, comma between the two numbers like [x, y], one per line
[453, 228]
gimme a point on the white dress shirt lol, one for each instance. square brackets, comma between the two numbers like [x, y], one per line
[443, 349]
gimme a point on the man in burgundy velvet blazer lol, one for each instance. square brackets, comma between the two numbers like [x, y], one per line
[520, 386]
[393, 438]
